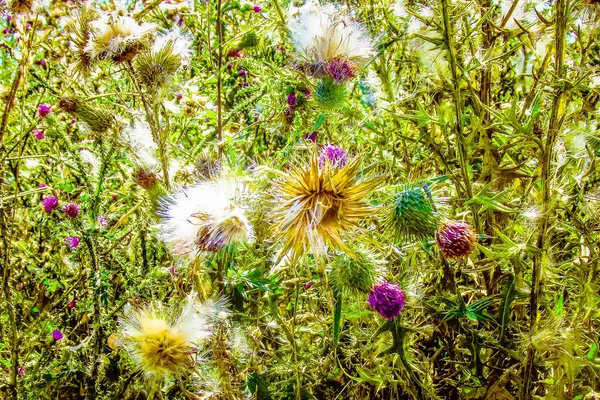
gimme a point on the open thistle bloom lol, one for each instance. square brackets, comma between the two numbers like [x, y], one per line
[387, 299]
[50, 203]
[412, 215]
[455, 239]
[204, 218]
[335, 155]
[118, 38]
[318, 205]
[330, 42]
[162, 344]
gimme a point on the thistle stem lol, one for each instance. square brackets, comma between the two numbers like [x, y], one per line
[540, 257]
[219, 78]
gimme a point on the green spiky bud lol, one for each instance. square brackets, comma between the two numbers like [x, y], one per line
[330, 94]
[248, 40]
[353, 275]
[98, 118]
[412, 216]
[155, 66]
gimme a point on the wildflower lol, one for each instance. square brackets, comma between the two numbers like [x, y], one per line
[329, 41]
[455, 239]
[318, 205]
[256, 8]
[21, 6]
[169, 53]
[336, 156]
[38, 133]
[50, 203]
[72, 303]
[330, 94]
[57, 335]
[71, 210]
[98, 118]
[118, 38]
[242, 72]
[21, 371]
[387, 299]
[245, 84]
[42, 185]
[43, 110]
[102, 221]
[311, 136]
[204, 218]
[308, 285]
[292, 100]
[146, 178]
[72, 242]
[411, 216]
[43, 63]
[162, 345]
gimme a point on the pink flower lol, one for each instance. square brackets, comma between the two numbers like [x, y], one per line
[257, 8]
[102, 221]
[43, 110]
[72, 303]
[38, 133]
[72, 242]
[71, 209]
[50, 203]
[21, 371]
[308, 285]
[57, 335]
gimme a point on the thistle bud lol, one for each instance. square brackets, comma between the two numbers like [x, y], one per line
[98, 118]
[330, 94]
[353, 275]
[455, 239]
[412, 216]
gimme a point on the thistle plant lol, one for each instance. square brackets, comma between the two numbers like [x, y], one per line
[412, 215]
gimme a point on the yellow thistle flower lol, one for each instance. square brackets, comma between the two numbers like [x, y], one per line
[162, 346]
[318, 205]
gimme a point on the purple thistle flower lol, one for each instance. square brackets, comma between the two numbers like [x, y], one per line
[311, 136]
[43, 110]
[102, 221]
[340, 70]
[337, 156]
[72, 242]
[455, 239]
[257, 8]
[387, 299]
[242, 72]
[42, 185]
[38, 133]
[71, 209]
[308, 285]
[21, 371]
[307, 93]
[50, 203]
[42, 63]
[292, 100]
[246, 84]
[57, 335]
[72, 303]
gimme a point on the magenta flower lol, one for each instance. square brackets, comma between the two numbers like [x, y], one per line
[50, 203]
[307, 93]
[340, 70]
[71, 209]
[72, 303]
[455, 239]
[72, 242]
[337, 156]
[21, 371]
[387, 299]
[257, 8]
[42, 185]
[42, 63]
[311, 136]
[57, 335]
[242, 72]
[38, 133]
[102, 221]
[292, 100]
[43, 110]
[308, 285]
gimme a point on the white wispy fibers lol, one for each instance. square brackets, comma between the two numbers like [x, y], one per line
[179, 44]
[205, 217]
[118, 38]
[322, 33]
[90, 158]
[139, 137]
[162, 341]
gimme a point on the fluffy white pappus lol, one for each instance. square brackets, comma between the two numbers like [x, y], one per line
[322, 33]
[90, 158]
[115, 35]
[204, 218]
[181, 45]
[139, 138]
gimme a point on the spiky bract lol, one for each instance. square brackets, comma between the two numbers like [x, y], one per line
[353, 275]
[98, 118]
[387, 299]
[162, 344]
[318, 205]
[204, 218]
[455, 239]
[330, 94]
[412, 216]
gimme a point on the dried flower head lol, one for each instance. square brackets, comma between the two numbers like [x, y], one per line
[318, 205]
[146, 178]
[138, 137]
[455, 239]
[162, 344]
[411, 216]
[118, 38]
[329, 41]
[21, 6]
[387, 299]
[204, 218]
